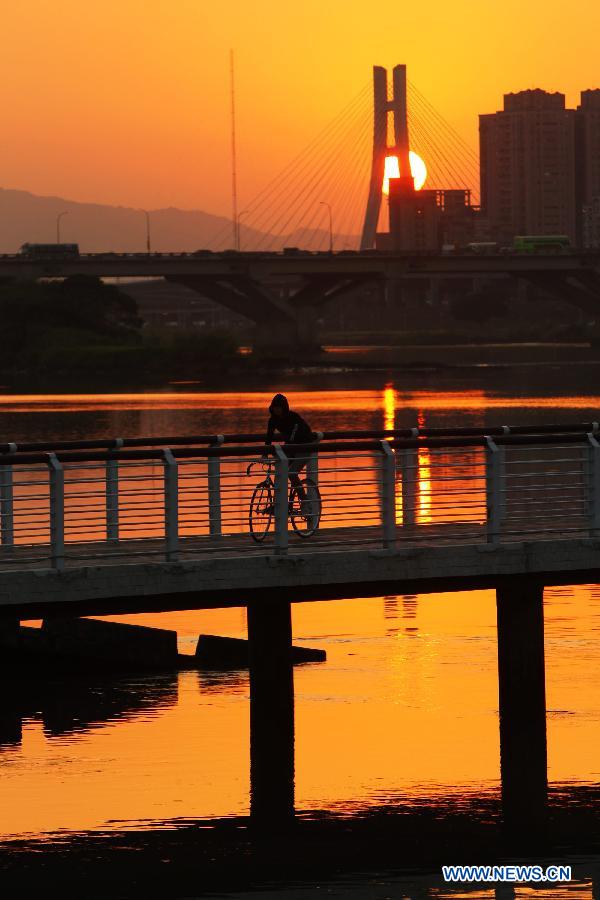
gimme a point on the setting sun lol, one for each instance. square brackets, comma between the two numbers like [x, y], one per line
[392, 170]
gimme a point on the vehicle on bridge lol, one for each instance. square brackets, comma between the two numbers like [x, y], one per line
[482, 247]
[542, 243]
[50, 251]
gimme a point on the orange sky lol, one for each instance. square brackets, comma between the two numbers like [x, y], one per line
[126, 101]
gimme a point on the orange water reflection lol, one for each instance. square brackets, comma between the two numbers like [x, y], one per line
[395, 711]
[423, 478]
[355, 400]
[406, 704]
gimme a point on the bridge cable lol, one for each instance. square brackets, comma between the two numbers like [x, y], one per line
[285, 182]
[447, 127]
[313, 149]
[341, 182]
[305, 186]
[306, 191]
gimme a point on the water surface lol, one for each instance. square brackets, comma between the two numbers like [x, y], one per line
[406, 705]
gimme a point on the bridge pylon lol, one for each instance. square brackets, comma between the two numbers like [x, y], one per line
[382, 107]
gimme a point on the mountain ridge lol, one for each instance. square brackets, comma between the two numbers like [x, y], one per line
[25, 216]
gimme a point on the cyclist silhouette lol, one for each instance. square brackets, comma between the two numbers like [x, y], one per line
[294, 430]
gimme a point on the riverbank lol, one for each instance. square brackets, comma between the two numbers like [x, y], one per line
[218, 365]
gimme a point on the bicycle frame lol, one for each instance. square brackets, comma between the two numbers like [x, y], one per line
[268, 483]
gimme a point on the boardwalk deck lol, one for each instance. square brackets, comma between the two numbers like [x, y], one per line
[164, 529]
[153, 550]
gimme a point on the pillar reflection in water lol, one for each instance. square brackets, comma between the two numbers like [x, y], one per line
[522, 703]
[423, 479]
[389, 424]
[271, 713]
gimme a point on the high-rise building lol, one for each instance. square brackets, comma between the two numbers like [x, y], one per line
[415, 217]
[427, 219]
[588, 165]
[528, 164]
[591, 223]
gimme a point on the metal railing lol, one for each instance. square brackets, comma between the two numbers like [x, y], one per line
[116, 443]
[77, 507]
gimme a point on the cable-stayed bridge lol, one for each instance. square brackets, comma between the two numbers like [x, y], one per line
[315, 233]
[331, 175]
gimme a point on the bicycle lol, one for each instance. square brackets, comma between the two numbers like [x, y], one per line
[304, 515]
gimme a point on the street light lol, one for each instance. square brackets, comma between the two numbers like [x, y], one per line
[147, 214]
[328, 205]
[58, 218]
[244, 212]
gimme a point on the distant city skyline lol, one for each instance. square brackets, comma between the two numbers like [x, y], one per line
[129, 104]
[540, 165]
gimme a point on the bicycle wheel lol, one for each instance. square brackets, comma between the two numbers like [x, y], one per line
[305, 514]
[261, 511]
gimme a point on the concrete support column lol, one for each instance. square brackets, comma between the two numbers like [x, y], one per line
[434, 291]
[522, 694]
[10, 724]
[504, 892]
[522, 290]
[275, 339]
[271, 713]
[306, 323]
[9, 631]
[10, 715]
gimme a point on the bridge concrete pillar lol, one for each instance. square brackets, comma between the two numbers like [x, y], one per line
[271, 713]
[306, 327]
[10, 714]
[10, 724]
[522, 706]
[504, 892]
[275, 339]
[434, 291]
[289, 338]
[10, 628]
[523, 290]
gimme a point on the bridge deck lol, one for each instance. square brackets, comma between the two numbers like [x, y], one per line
[131, 531]
[325, 540]
[152, 550]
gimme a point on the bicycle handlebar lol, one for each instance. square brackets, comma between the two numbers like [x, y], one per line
[266, 464]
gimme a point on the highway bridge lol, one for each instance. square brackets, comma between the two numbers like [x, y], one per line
[300, 263]
[139, 524]
[282, 293]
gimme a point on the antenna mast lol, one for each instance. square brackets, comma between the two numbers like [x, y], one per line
[236, 228]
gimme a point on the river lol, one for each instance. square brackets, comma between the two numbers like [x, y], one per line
[404, 710]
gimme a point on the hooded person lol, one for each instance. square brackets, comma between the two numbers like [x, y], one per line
[294, 430]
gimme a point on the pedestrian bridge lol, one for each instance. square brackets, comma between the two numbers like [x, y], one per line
[130, 525]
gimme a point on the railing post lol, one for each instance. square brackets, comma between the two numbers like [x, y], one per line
[388, 495]
[6, 502]
[282, 468]
[171, 505]
[409, 465]
[57, 512]
[593, 485]
[112, 494]
[493, 483]
[214, 491]
[312, 463]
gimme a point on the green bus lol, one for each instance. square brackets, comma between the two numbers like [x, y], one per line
[541, 243]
